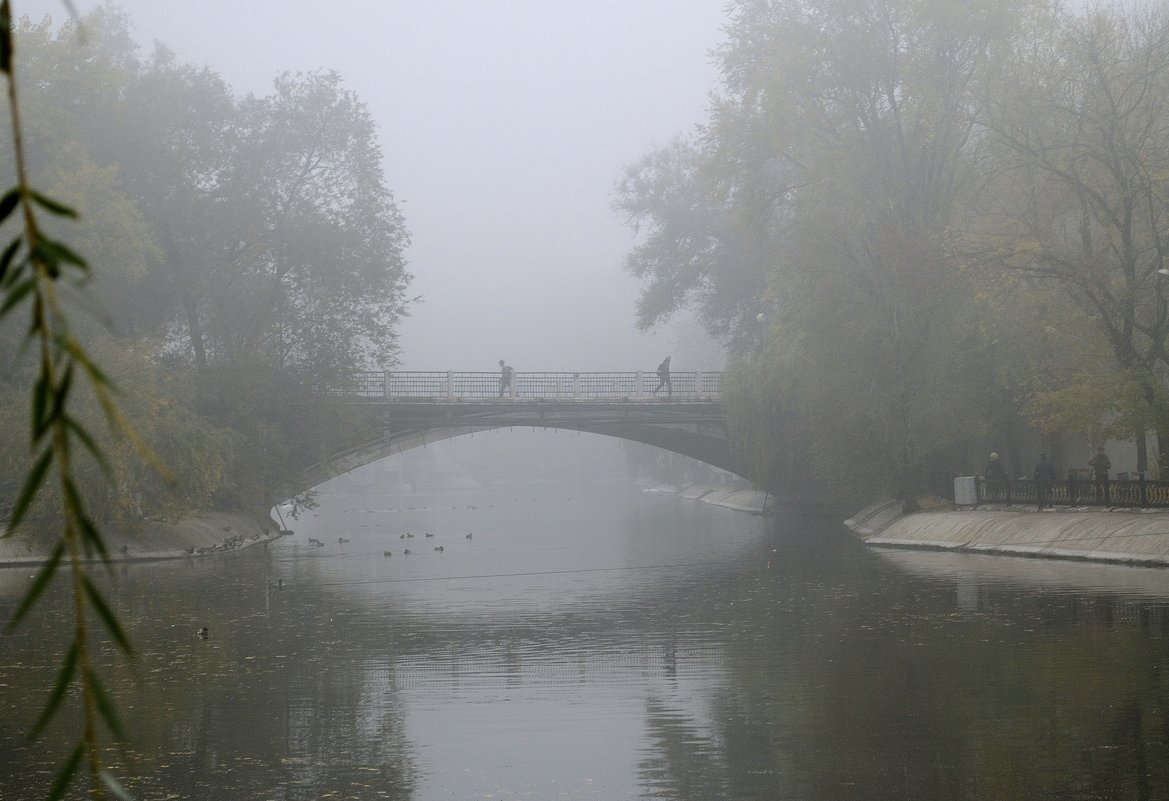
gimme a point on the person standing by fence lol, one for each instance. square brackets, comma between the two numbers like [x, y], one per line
[995, 477]
[1044, 478]
[1101, 464]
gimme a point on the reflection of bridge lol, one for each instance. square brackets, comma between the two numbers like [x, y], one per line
[420, 408]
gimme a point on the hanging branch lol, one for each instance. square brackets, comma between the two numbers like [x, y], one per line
[32, 266]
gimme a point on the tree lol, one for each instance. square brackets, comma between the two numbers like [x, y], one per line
[74, 158]
[705, 247]
[259, 245]
[762, 433]
[1080, 185]
[832, 170]
[172, 159]
[294, 253]
[320, 260]
[275, 239]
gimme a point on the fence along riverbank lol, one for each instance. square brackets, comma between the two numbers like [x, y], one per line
[1137, 492]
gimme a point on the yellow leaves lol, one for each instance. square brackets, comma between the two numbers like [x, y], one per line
[1113, 404]
[112, 232]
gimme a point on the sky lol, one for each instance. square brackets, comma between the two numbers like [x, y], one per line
[505, 126]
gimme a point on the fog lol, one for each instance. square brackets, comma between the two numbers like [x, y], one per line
[504, 126]
[502, 459]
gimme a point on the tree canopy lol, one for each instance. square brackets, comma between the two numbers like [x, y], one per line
[239, 245]
[926, 203]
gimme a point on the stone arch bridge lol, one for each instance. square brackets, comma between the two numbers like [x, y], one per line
[425, 407]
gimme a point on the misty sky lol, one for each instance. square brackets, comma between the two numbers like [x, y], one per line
[505, 125]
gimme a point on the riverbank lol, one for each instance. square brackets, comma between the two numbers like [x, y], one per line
[743, 500]
[1125, 536]
[197, 535]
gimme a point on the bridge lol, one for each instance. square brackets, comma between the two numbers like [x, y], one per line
[419, 408]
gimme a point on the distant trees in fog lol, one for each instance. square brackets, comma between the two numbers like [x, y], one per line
[235, 241]
[919, 226]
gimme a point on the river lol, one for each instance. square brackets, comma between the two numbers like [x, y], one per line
[606, 643]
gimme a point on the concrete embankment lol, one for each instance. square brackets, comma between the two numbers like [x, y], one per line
[1123, 536]
[744, 500]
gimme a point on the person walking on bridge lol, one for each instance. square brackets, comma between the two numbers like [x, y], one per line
[664, 378]
[506, 379]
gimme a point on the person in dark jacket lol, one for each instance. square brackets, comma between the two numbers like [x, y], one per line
[995, 478]
[1044, 478]
[1101, 464]
[506, 379]
[664, 377]
[994, 470]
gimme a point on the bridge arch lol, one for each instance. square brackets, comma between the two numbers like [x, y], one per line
[694, 428]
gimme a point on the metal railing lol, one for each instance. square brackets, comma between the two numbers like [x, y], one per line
[1133, 493]
[456, 386]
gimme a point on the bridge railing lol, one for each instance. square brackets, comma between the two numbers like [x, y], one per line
[450, 385]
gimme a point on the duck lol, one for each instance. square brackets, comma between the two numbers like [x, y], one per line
[468, 535]
[439, 548]
[428, 534]
[387, 553]
[342, 540]
[407, 551]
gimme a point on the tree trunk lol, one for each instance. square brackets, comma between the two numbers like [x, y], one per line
[190, 309]
[1142, 438]
[195, 331]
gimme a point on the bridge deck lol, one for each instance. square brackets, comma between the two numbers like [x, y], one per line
[463, 387]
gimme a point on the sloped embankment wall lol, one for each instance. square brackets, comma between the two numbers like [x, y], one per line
[1114, 536]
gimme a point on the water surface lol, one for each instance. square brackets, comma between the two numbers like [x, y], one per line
[604, 643]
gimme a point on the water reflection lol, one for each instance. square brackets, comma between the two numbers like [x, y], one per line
[612, 645]
[1064, 575]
